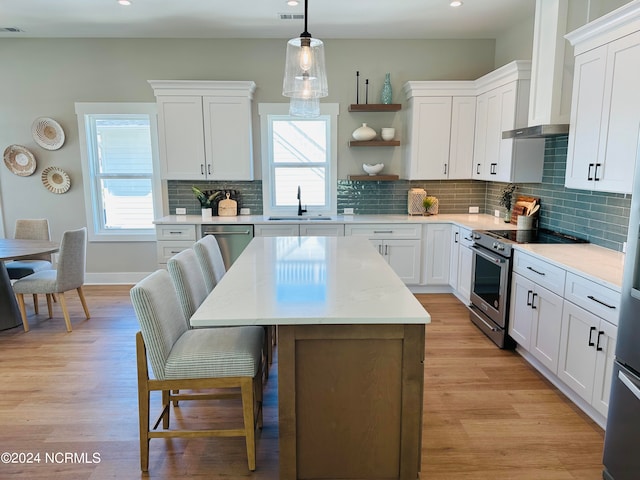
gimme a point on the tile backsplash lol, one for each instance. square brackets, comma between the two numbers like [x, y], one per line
[599, 217]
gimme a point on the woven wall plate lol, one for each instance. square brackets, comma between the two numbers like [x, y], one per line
[47, 133]
[19, 160]
[56, 180]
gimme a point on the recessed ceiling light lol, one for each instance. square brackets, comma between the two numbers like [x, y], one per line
[456, 3]
[293, 3]
[124, 2]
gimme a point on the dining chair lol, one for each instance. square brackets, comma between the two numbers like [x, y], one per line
[188, 281]
[68, 275]
[210, 259]
[30, 229]
[192, 360]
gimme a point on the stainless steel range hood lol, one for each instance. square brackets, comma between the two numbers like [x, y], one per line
[538, 131]
[551, 71]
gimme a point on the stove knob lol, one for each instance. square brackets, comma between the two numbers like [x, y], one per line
[501, 247]
[495, 245]
[476, 236]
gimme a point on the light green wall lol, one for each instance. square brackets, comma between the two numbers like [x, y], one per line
[44, 77]
[516, 43]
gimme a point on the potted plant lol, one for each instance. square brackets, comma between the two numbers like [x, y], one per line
[430, 205]
[206, 200]
[505, 199]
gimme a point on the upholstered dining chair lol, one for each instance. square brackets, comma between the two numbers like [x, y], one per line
[210, 259]
[188, 281]
[69, 275]
[30, 229]
[184, 359]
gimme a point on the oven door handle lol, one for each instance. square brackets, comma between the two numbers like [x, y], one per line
[488, 255]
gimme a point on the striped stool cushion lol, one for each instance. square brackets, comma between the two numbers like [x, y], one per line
[219, 352]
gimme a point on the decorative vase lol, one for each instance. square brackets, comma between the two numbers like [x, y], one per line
[386, 90]
[507, 215]
[207, 213]
[388, 133]
[364, 133]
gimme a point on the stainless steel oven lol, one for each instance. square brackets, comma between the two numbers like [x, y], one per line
[490, 282]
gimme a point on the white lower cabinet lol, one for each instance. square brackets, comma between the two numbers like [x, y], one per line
[437, 254]
[399, 244]
[281, 230]
[535, 320]
[172, 239]
[461, 263]
[586, 355]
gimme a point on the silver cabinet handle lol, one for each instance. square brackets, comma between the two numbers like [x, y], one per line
[382, 231]
[591, 297]
[629, 384]
[244, 232]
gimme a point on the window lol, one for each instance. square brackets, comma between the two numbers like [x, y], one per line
[298, 152]
[119, 156]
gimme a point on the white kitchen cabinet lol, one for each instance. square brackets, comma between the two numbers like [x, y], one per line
[502, 104]
[315, 230]
[279, 230]
[205, 129]
[399, 244]
[605, 110]
[437, 253]
[441, 124]
[461, 263]
[535, 320]
[172, 239]
[586, 355]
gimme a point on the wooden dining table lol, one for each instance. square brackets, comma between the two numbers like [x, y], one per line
[15, 249]
[351, 342]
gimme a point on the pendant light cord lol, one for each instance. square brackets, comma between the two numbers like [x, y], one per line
[305, 34]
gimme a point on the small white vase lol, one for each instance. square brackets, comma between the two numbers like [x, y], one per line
[364, 133]
[207, 213]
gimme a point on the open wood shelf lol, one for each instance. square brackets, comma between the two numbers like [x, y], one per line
[366, 178]
[374, 143]
[375, 107]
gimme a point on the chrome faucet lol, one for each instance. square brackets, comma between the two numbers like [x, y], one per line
[300, 209]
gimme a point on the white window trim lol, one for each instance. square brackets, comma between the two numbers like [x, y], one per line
[115, 108]
[266, 110]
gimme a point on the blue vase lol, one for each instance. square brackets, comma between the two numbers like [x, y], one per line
[386, 90]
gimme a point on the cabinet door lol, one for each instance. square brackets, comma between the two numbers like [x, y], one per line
[606, 348]
[404, 258]
[620, 116]
[586, 115]
[228, 143]
[464, 274]
[437, 253]
[430, 134]
[500, 169]
[463, 124]
[322, 230]
[181, 137]
[520, 312]
[288, 230]
[455, 257]
[480, 137]
[546, 327]
[577, 349]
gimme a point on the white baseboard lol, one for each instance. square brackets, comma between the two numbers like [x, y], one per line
[114, 278]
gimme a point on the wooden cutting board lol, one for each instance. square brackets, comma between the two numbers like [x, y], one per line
[524, 204]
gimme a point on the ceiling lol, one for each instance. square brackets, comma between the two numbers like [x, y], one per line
[407, 19]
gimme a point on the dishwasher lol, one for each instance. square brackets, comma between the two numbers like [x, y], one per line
[232, 239]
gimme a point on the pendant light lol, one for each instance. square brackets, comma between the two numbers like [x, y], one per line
[305, 77]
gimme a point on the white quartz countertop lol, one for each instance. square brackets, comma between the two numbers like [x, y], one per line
[599, 264]
[310, 280]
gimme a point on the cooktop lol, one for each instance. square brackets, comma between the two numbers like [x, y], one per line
[539, 235]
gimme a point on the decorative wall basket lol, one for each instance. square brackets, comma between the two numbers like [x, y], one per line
[414, 201]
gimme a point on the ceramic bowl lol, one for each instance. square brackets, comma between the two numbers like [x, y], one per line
[373, 169]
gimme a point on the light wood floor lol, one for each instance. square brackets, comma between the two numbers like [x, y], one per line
[487, 414]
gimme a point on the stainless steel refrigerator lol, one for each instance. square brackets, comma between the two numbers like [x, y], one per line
[622, 436]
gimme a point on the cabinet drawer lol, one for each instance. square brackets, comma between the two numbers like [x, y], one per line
[384, 231]
[543, 273]
[322, 230]
[597, 299]
[166, 250]
[176, 232]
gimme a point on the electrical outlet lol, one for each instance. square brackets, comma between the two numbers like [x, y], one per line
[624, 247]
[496, 213]
[348, 211]
[181, 211]
[474, 209]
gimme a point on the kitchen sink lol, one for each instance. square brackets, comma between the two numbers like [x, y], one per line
[296, 218]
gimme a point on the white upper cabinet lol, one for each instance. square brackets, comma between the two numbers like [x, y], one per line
[441, 124]
[204, 129]
[502, 104]
[605, 111]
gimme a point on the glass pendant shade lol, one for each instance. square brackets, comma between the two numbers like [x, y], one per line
[304, 107]
[305, 74]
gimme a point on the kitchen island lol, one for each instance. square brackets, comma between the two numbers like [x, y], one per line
[351, 353]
